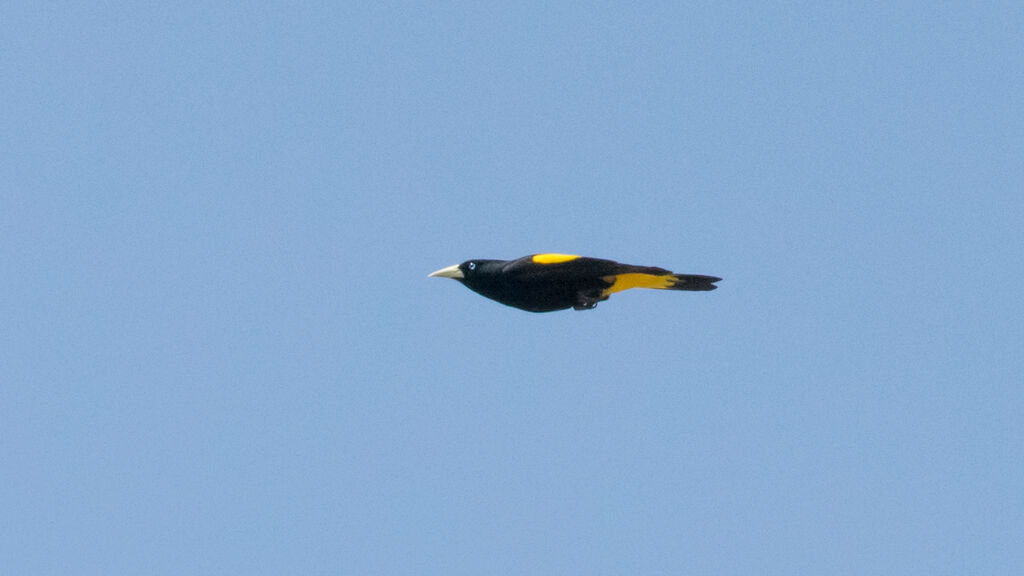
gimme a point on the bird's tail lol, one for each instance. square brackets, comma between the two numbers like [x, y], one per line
[658, 279]
[693, 282]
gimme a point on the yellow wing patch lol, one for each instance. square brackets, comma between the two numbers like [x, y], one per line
[553, 258]
[620, 282]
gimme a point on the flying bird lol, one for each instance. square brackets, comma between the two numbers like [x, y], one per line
[549, 282]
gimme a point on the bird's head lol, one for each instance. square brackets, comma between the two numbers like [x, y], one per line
[470, 271]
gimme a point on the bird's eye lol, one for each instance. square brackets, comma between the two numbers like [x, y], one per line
[472, 266]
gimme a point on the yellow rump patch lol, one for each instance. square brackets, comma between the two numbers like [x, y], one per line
[622, 282]
[553, 258]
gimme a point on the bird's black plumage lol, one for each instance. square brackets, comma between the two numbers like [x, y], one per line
[548, 282]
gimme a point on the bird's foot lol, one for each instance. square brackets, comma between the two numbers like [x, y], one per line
[588, 300]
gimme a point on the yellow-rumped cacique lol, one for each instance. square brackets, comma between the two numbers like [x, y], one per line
[549, 282]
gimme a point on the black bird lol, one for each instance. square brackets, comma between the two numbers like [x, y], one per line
[548, 282]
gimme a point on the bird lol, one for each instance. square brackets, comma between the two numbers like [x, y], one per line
[549, 282]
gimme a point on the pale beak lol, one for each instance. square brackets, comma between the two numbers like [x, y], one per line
[449, 272]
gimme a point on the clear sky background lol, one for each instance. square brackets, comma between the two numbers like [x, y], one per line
[220, 352]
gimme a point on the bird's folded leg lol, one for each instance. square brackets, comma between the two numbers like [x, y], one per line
[588, 300]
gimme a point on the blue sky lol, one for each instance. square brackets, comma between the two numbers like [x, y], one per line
[221, 354]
